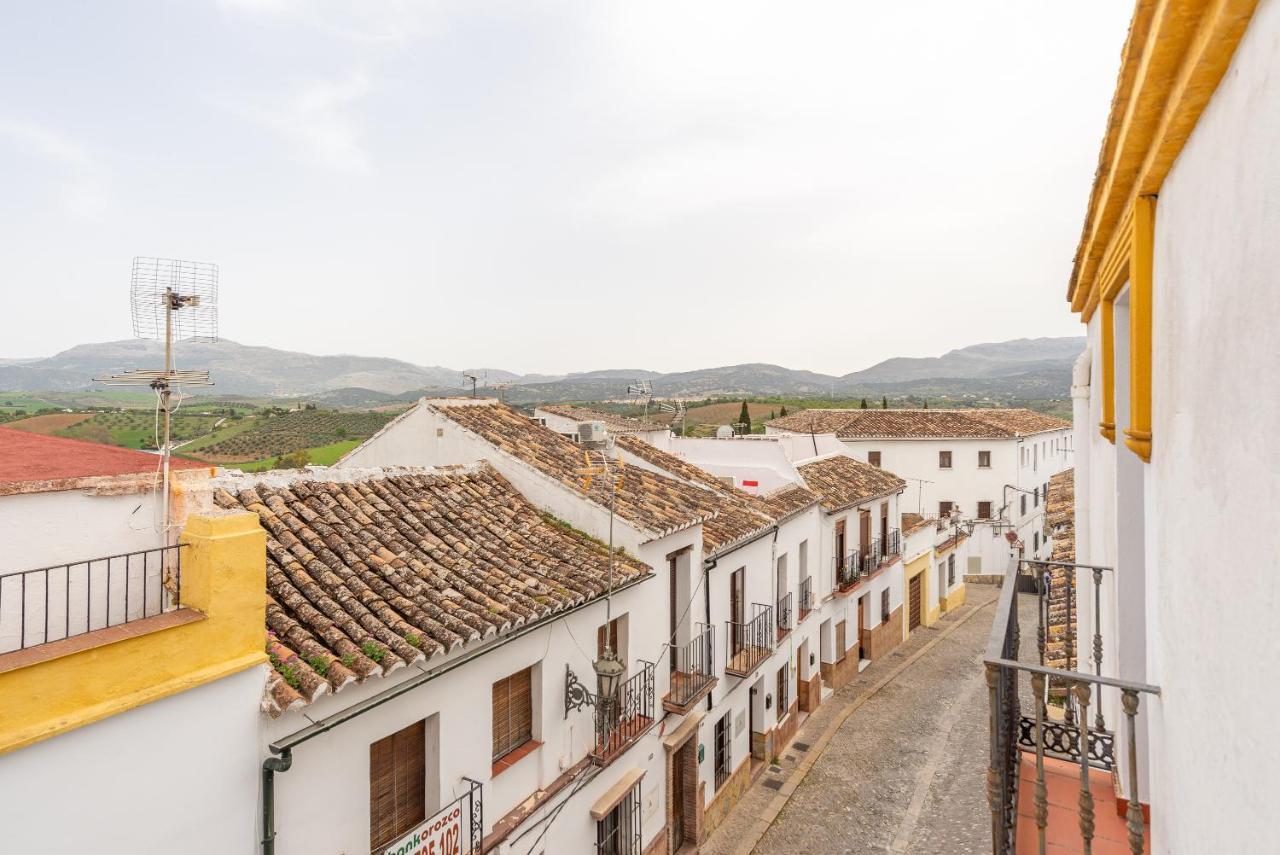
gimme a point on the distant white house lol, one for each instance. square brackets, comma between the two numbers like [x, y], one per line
[989, 467]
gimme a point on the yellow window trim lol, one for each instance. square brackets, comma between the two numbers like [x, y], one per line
[1175, 56]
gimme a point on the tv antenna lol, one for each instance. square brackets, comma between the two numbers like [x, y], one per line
[642, 391]
[171, 300]
[501, 388]
[677, 410]
[470, 378]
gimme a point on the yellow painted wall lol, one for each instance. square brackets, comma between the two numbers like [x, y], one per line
[223, 578]
[914, 568]
[956, 598]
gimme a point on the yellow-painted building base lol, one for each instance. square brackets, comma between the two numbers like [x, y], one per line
[223, 582]
[913, 569]
[955, 599]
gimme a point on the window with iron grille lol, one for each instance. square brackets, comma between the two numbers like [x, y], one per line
[884, 605]
[784, 701]
[873, 457]
[619, 832]
[944, 508]
[951, 570]
[722, 750]
[984, 510]
[984, 459]
[397, 784]
[944, 459]
[1035, 541]
[1035, 498]
[512, 713]
[1024, 504]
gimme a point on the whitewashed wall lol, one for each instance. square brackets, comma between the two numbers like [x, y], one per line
[180, 774]
[1213, 589]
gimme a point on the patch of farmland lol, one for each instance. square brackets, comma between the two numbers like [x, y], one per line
[137, 428]
[727, 413]
[51, 423]
[269, 436]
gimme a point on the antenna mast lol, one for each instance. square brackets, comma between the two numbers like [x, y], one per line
[161, 289]
[642, 391]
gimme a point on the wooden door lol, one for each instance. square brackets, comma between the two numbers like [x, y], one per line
[840, 540]
[913, 614]
[840, 641]
[673, 613]
[681, 760]
[884, 526]
[864, 533]
[737, 607]
[862, 608]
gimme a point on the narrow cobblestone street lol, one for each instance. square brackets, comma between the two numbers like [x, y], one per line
[904, 771]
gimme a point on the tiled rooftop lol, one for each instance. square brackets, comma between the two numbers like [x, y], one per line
[373, 570]
[740, 513]
[650, 501]
[27, 458]
[612, 421]
[841, 481]
[911, 523]
[788, 500]
[920, 424]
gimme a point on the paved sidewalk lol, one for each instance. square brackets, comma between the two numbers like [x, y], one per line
[894, 762]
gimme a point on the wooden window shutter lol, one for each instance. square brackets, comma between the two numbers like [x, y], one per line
[512, 712]
[397, 784]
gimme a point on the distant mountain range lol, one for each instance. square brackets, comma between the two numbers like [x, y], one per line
[1035, 368]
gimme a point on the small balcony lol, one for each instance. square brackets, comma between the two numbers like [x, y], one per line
[785, 621]
[1053, 756]
[849, 571]
[53, 604]
[621, 719]
[750, 643]
[692, 672]
[806, 596]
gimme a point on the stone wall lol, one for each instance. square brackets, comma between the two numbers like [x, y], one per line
[727, 797]
[878, 641]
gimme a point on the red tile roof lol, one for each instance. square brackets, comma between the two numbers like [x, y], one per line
[920, 424]
[614, 422]
[31, 457]
[841, 481]
[372, 572]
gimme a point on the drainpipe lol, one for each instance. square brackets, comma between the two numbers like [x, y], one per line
[269, 768]
[706, 601]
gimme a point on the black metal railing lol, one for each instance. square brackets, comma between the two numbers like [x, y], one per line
[694, 667]
[750, 643]
[806, 596]
[1046, 732]
[893, 543]
[785, 623]
[622, 718]
[848, 571]
[65, 600]
[618, 833]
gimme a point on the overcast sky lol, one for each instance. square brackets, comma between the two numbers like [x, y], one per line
[557, 186]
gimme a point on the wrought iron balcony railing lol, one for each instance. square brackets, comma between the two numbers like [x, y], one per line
[621, 718]
[1056, 732]
[750, 643]
[785, 622]
[65, 600]
[692, 670]
[849, 571]
[806, 596]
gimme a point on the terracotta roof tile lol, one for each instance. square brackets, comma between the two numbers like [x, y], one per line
[911, 523]
[920, 424]
[841, 481]
[650, 501]
[614, 422]
[788, 500]
[369, 573]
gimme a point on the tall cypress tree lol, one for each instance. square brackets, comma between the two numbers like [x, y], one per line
[744, 418]
[864, 403]
[884, 402]
[783, 411]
